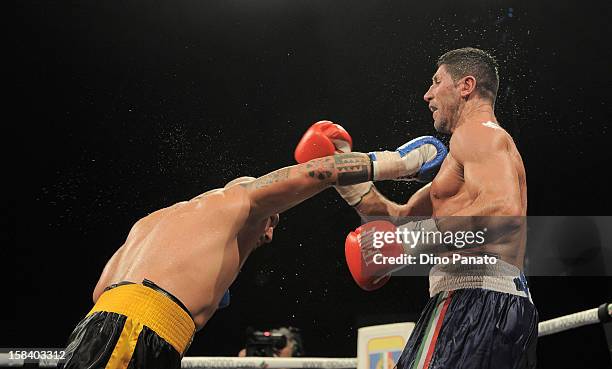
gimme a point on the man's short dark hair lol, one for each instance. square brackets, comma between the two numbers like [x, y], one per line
[294, 337]
[469, 61]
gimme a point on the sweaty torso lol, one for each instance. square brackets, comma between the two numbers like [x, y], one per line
[190, 249]
[450, 196]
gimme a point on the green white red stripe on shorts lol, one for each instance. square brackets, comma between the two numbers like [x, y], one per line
[434, 326]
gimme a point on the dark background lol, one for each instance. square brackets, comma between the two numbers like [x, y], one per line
[124, 107]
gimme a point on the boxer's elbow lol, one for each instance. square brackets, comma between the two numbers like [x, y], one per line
[512, 218]
[510, 205]
[498, 217]
[507, 216]
[498, 204]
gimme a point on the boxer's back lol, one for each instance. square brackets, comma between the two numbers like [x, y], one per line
[190, 249]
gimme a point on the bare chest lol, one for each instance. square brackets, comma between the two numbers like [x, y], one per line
[448, 192]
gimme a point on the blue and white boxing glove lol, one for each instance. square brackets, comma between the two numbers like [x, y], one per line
[417, 160]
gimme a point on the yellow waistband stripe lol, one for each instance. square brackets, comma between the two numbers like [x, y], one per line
[152, 309]
[125, 346]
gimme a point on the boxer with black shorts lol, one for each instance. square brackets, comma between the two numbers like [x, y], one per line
[174, 269]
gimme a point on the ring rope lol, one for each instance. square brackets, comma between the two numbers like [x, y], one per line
[601, 314]
[268, 362]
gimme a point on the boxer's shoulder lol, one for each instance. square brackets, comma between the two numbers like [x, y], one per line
[221, 203]
[220, 196]
[477, 137]
[479, 127]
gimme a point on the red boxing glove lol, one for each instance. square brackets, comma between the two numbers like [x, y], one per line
[323, 138]
[365, 259]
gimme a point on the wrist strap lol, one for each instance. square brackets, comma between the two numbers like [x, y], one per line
[386, 165]
[353, 194]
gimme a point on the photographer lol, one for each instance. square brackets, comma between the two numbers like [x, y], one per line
[280, 342]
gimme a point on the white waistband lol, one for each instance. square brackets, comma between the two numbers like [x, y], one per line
[500, 277]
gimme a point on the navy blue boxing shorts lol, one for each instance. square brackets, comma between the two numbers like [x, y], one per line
[478, 316]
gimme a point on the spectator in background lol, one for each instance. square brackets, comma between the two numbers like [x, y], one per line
[292, 348]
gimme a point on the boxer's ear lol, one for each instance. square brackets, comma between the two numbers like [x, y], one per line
[274, 220]
[467, 86]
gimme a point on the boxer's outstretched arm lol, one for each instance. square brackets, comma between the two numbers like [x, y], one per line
[419, 204]
[284, 188]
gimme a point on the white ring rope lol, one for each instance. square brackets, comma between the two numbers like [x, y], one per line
[268, 362]
[572, 321]
[564, 323]
[228, 362]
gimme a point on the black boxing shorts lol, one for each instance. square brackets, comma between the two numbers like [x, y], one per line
[131, 326]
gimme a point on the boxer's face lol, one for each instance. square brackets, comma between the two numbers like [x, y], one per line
[443, 99]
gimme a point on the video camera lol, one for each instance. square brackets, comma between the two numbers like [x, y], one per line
[265, 343]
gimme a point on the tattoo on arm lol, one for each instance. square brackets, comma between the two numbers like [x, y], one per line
[268, 179]
[320, 169]
[352, 168]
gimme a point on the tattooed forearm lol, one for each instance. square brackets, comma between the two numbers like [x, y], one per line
[352, 168]
[270, 178]
[320, 169]
[341, 169]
